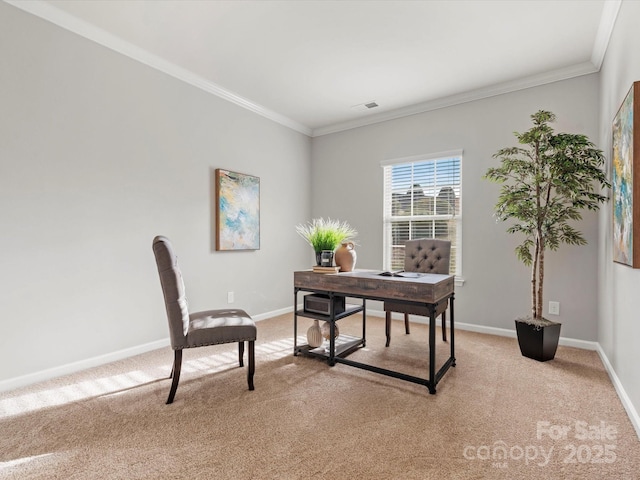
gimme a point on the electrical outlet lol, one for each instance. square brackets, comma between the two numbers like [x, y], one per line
[230, 297]
[554, 308]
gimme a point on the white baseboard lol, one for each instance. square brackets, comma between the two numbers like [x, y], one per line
[273, 313]
[73, 367]
[622, 394]
[502, 332]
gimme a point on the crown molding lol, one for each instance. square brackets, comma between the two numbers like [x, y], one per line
[58, 17]
[605, 29]
[470, 96]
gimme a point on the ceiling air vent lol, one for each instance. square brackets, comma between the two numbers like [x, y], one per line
[365, 107]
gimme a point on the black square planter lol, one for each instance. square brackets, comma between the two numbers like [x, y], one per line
[538, 342]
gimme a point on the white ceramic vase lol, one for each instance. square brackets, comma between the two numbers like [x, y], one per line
[314, 335]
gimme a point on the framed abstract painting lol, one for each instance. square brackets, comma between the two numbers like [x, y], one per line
[625, 180]
[237, 211]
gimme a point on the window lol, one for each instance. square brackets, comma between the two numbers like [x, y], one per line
[422, 198]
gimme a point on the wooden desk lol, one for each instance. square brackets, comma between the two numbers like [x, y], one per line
[427, 289]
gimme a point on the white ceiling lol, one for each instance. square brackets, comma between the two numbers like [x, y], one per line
[311, 65]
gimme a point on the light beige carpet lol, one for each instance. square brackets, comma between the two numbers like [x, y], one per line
[496, 415]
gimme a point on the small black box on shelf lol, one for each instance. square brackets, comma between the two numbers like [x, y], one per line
[317, 303]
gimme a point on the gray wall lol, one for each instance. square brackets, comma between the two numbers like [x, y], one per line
[98, 154]
[347, 184]
[618, 300]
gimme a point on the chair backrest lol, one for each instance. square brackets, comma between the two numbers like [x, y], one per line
[427, 255]
[173, 289]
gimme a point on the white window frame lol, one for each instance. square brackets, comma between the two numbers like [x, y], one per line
[388, 218]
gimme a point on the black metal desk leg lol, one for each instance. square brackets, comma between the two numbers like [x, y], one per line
[332, 332]
[364, 322]
[295, 321]
[432, 349]
[453, 350]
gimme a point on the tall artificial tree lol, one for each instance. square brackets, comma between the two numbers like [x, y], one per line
[546, 182]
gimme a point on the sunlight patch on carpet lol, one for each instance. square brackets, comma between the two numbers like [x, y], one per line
[29, 402]
[21, 461]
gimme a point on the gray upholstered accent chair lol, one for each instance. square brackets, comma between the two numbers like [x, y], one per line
[424, 255]
[198, 329]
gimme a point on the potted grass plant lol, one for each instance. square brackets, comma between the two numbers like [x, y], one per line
[546, 182]
[324, 235]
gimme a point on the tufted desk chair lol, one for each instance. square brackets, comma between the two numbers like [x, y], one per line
[424, 255]
[199, 329]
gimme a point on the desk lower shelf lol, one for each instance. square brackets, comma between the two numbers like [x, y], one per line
[345, 344]
[350, 309]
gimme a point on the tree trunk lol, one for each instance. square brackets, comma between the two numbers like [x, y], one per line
[534, 280]
[536, 258]
[540, 280]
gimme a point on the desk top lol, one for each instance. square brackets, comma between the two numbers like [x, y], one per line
[427, 288]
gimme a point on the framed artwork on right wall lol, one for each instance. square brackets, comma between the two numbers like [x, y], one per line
[625, 180]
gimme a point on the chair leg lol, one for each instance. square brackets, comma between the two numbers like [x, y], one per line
[444, 326]
[387, 327]
[406, 323]
[175, 374]
[252, 364]
[241, 353]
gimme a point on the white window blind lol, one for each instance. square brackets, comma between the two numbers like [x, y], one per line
[422, 199]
